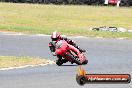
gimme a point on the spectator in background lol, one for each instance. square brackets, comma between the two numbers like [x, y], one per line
[118, 3]
[106, 2]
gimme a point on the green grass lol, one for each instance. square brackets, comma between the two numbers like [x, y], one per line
[67, 19]
[12, 61]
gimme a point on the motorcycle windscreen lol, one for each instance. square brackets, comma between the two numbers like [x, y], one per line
[61, 47]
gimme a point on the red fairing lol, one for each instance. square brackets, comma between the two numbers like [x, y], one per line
[82, 57]
[63, 48]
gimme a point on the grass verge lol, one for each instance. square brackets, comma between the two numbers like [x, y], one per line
[67, 19]
[12, 61]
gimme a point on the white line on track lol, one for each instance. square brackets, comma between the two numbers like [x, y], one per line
[44, 35]
[25, 66]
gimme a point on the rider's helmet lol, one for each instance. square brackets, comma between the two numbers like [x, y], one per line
[55, 36]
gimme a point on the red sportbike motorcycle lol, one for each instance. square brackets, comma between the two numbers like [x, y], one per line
[69, 53]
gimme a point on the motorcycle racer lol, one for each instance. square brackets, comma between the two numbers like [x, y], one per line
[57, 37]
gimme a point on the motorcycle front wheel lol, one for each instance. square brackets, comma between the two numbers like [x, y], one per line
[85, 62]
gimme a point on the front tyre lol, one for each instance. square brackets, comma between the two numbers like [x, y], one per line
[85, 62]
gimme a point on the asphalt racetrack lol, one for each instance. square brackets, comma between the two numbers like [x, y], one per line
[104, 55]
